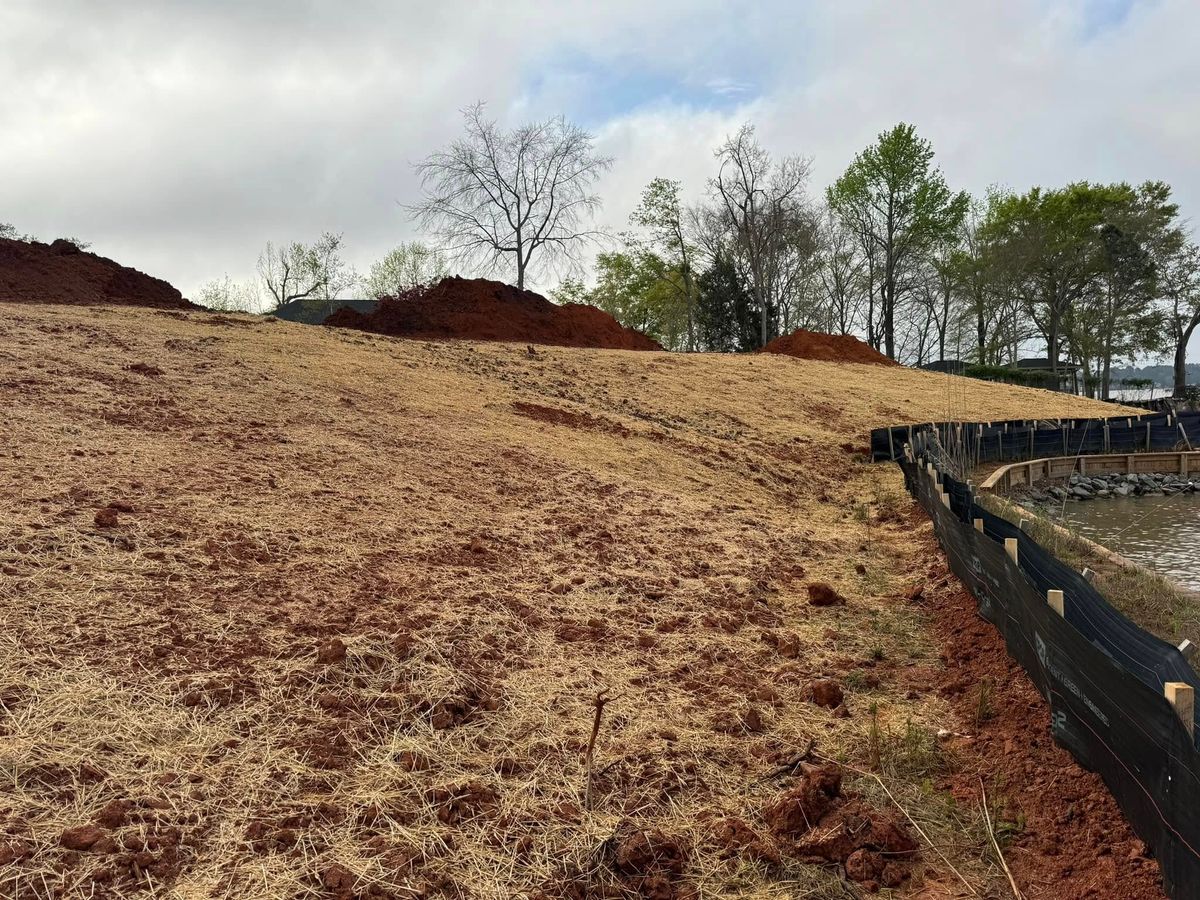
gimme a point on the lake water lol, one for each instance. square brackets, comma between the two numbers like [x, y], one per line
[1160, 533]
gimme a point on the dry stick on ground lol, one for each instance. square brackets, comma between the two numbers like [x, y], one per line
[996, 844]
[911, 820]
[599, 703]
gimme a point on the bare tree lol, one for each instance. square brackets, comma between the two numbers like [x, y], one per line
[842, 276]
[495, 197]
[298, 271]
[763, 202]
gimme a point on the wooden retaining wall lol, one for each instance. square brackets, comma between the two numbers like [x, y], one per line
[1061, 467]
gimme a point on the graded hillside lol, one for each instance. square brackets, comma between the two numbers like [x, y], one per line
[32, 272]
[296, 612]
[478, 309]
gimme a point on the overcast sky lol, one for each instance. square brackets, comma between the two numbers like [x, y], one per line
[178, 136]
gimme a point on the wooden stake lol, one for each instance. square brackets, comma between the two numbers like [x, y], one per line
[1055, 599]
[1181, 696]
[600, 701]
[979, 525]
[1010, 547]
[1088, 575]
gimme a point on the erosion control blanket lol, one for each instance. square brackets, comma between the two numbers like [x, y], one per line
[1024, 439]
[1101, 675]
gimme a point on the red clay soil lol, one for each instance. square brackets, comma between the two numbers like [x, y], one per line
[32, 272]
[827, 347]
[1071, 839]
[477, 309]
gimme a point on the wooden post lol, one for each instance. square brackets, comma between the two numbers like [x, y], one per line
[1083, 465]
[1010, 547]
[1188, 649]
[1055, 599]
[1088, 575]
[979, 525]
[946, 499]
[1181, 696]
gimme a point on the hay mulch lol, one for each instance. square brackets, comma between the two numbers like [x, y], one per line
[294, 612]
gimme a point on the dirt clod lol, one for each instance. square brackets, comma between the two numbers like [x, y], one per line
[827, 692]
[82, 837]
[802, 807]
[332, 652]
[822, 594]
[649, 855]
[114, 814]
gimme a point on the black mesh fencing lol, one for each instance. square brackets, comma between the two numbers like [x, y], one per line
[1103, 677]
[1023, 439]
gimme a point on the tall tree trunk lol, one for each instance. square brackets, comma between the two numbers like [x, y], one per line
[889, 318]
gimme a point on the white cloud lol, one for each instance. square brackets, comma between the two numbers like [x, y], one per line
[179, 137]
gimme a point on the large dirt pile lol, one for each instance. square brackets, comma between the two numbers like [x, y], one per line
[32, 272]
[477, 309]
[828, 347]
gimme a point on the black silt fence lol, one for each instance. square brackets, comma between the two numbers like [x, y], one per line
[1102, 676]
[1023, 439]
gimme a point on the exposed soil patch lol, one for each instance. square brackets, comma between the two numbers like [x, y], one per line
[32, 272]
[826, 826]
[477, 309]
[828, 347]
[1068, 837]
[583, 421]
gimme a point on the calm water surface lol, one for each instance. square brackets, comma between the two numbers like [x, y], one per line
[1160, 533]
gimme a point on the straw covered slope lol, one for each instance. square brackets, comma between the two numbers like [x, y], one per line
[290, 611]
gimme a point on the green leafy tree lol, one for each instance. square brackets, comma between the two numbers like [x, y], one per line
[727, 318]
[637, 289]
[1045, 244]
[662, 216]
[898, 203]
[408, 266]
[571, 290]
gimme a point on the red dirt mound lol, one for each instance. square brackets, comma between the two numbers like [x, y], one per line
[828, 347]
[477, 309]
[31, 272]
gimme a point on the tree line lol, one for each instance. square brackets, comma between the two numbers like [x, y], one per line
[1097, 274]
